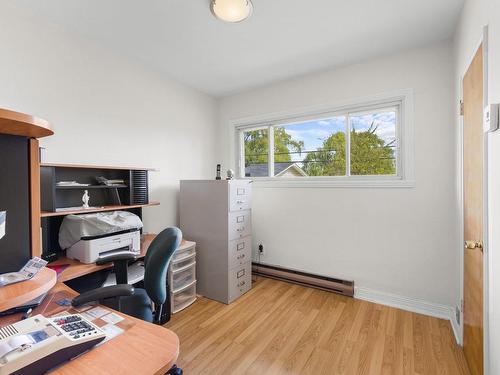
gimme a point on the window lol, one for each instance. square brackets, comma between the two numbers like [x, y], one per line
[256, 143]
[356, 143]
[373, 143]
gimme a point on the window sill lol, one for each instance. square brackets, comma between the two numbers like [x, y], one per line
[263, 182]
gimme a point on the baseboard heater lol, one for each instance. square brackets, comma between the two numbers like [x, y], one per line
[329, 284]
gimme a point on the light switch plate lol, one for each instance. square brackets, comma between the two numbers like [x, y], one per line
[491, 117]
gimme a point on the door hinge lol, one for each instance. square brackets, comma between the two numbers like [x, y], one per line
[461, 108]
[462, 305]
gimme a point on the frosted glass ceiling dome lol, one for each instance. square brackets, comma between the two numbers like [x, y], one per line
[231, 10]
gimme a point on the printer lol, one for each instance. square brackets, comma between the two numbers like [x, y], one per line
[89, 237]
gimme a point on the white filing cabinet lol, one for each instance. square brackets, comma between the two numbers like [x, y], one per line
[217, 215]
[182, 277]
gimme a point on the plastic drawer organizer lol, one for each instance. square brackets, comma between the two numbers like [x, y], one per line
[182, 277]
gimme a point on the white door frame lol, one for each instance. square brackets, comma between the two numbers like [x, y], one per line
[486, 264]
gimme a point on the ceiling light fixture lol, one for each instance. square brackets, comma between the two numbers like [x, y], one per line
[231, 10]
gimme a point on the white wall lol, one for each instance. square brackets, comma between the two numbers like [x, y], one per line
[108, 110]
[475, 15]
[398, 241]
[105, 109]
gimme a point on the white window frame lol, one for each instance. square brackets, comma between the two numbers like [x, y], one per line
[403, 99]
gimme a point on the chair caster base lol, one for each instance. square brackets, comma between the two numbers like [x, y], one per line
[174, 371]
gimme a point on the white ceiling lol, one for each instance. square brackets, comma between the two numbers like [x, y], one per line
[282, 39]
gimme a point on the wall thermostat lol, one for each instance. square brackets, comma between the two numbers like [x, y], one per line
[491, 117]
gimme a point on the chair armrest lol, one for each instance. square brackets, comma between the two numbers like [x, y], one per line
[122, 290]
[115, 257]
[120, 260]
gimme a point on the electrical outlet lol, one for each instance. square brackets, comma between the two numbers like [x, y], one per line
[261, 250]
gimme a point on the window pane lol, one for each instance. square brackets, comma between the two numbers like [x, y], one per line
[373, 143]
[256, 153]
[312, 148]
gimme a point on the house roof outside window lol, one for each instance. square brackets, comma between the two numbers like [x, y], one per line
[288, 169]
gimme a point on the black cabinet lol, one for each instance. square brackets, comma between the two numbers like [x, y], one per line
[15, 248]
[134, 190]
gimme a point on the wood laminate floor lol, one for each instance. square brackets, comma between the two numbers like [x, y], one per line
[282, 328]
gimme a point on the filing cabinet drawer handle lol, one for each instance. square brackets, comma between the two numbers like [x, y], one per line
[240, 274]
[240, 246]
[240, 219]
[240, 284]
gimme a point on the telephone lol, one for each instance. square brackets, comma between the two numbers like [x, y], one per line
[35, 345]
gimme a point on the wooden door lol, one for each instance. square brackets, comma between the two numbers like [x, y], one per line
[473, 213]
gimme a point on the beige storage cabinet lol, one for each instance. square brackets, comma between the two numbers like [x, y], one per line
[217, 216]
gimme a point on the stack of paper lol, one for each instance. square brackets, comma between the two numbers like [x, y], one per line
[70, 183]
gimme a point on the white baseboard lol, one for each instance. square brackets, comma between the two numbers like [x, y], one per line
[457, 330]
[411, 304]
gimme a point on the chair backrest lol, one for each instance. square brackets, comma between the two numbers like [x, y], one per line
[157, 261]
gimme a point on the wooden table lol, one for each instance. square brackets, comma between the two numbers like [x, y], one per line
[144, 348]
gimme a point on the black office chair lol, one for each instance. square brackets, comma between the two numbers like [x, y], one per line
[152, 303]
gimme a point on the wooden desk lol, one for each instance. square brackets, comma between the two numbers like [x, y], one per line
[77, 269]
[16, 123]
[144, 348]
[19, 293]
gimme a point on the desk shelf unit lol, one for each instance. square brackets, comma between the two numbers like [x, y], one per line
[132, 196]
[91, 187]
[98, 209]
[133, 192]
